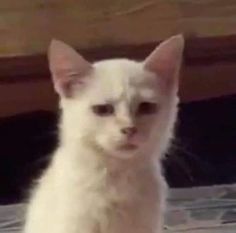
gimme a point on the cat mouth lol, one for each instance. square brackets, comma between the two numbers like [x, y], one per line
[128, 147]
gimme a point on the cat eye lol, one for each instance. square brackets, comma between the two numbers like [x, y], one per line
[147, 108]
[103, 109]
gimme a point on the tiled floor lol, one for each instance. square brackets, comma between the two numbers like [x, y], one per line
[196, 210]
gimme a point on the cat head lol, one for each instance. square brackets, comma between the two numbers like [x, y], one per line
[119, 106]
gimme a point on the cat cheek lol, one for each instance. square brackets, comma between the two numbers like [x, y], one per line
[146, 124]
[104, 141]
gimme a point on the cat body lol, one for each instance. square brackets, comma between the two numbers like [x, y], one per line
[117, 121]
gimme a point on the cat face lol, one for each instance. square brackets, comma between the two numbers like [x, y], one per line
[117, 109]
[119, 105]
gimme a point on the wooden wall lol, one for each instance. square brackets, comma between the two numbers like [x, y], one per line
[106, 28]
[27, 26]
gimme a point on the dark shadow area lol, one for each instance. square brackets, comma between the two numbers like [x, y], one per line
[26, 143]
[204, 151]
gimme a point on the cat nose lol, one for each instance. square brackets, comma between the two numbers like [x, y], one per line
[129, 131]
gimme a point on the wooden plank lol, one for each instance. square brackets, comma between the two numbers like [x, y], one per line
[27, 26]
[201, 82]
[209, 71]
[198, 51]
[27, 96]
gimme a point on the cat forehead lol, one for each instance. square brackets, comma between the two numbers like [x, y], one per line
[122, 77]
[119, 69]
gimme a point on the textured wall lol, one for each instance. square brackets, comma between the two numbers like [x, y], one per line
[26, 26]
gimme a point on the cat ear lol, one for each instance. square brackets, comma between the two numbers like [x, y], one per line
[68, 68]
[166, 60]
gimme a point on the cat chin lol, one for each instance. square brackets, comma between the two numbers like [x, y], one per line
[123, 155]
[124, 152]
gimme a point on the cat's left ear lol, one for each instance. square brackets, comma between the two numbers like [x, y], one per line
[166, 60]
[68, 68]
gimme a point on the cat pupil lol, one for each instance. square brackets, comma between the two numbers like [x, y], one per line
[103, 109]
[146, 108]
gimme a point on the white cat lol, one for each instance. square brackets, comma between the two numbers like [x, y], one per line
[117, 120]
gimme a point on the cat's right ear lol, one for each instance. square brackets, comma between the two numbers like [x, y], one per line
[166, 60]
[68, 68]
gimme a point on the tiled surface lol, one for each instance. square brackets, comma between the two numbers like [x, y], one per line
[196, 210]
[202, 210]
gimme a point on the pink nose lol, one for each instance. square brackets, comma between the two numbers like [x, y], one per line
[129, 131]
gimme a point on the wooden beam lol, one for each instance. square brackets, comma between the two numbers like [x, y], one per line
[209, 71]
[198, 51]
[20, 97]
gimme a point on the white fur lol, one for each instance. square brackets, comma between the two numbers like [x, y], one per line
[90, 185]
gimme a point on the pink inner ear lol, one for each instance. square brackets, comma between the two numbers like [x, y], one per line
[166, 59]
[68, 68]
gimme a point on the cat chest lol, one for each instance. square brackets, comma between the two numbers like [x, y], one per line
[113, 209]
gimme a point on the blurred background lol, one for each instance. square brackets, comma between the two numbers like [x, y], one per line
[203, 153]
